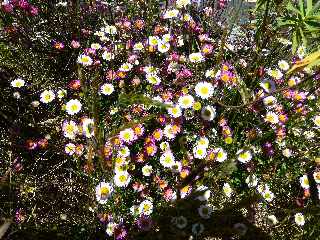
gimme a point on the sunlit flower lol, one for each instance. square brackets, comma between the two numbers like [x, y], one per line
[85, 60]
[186, 101]
[208, 113]
[70, 148]
[203, 142]
[275, 73]
[244, 156]
[126, 67]
[283, 65]
[153, 40]
[304, 181]
[272, 219]
[269, 101]
[122, 179]
[103, 192]
[316, 176]
[171, 14]
[153, 79]
[73, 106]
[175, 111]
[18, 83]
[95, 46]
[163, 47]
[182, 3]
[205, 211]
[164, 146]
[227, 189]
[299, 219]
[301, 51]
[316, 120]
[168, 132]
[107, 89]
[147, 170]
[267, 195]
[204, 90]
[196, 57]
[166, 37]
[252, 181]
[146, 207]
[61, 93]
[110, 228]
[199, 152]
[138, 46]
[47, 96]
[127, 135]
[70, 129]
[107, 55]
[109, 29]
[88, 127]
[271, 117]
[221, 155]
[167, 159]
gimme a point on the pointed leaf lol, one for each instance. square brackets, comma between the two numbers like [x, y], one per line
[294, 42]
[301, 6]
[309, 6]
[292, 8]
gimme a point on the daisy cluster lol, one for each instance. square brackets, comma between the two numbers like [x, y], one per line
[197, 123]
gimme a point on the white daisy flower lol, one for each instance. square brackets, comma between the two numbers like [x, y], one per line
[107, 89]
[205, 211]
[208, 113]
[316, 120]
[197, 229]
[70, 129]
[272, 219]
[124, 152]
[103, 192]
[95, 46]
[126, 67]
[110, 228]
[88, 127]
[153, 40]
[47, 96]
[153, 79]
[199, 152]
[304, 181]
[283, 65]
[166, 37]
[227, 189]
[210, 73]
[271, 117]
[175, 111]
[182, 3]
[73, 106]
[204, 90]
[203, 142]
[147, 170]
[171, 14]
[61, 93]
[244, 156]
[181, 222]
[146, 207]
[186, 101]
[299, 219]
[196, 57]
[206, 193]
[163, 47]
[85, 60]
[268, 195]
[301, 52]
[167, 159]
[107, 56]
[168, 132]
[164, 146]
[252, 181]
[18, 83]
[275, 73]
[70, 149]
[138, 46]
[221, 155]
[269, 101]
[127, 135]
[122, 179]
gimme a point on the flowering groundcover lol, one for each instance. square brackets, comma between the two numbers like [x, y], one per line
[160, 120]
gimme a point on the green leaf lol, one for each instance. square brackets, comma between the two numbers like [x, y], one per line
[309, 6]
[304, 39]
[294, 42]
[301, 6]
[292, 8]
